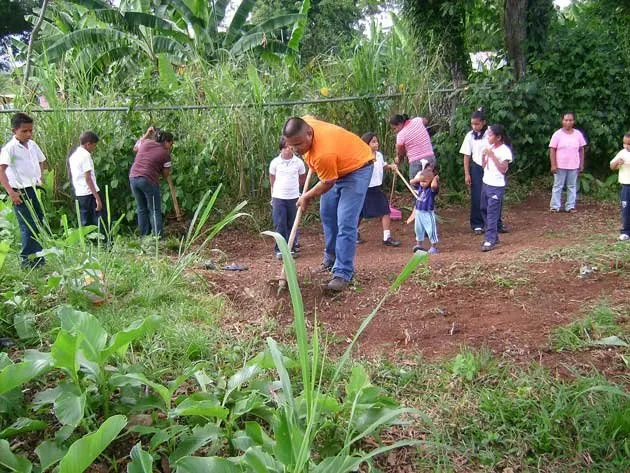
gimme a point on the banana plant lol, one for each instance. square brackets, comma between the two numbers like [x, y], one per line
[97, 34]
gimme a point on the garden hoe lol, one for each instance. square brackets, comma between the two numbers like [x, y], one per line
[394, 213]
[282, 283]
[402, 178]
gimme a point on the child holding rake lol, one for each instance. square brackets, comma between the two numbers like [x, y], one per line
[376, 204]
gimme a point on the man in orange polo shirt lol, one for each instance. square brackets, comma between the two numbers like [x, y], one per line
[343, 163]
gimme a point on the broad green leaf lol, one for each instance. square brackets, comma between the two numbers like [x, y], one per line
[610, 341]
[22, 425]
[11, 461]
[206, 465]
[203, 407]
[84, 451]
[24, 325]
[5, 247]
[65, 353]
[16, 375]
[359, 380]
[49, 453]
[69, 408]
[287, 445]
[165, 435]
[199, 437]
[120, 342]
[299, 28]
[261, 462]
[141, 461]
[283, 373]
[373, 419]
[137, 379]
[239, 378]
[94, 337]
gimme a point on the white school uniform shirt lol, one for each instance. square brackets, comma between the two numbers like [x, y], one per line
[81, 162]
[474, 148]
[491, 174]
[22, 163]
[287, 172]
[377, 173]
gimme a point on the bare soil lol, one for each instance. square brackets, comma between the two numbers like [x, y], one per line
[508, 300]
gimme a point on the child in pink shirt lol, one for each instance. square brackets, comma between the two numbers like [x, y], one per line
[566, 154]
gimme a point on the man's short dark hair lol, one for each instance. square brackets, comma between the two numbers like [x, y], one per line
[293, 127]
[88, 137]
[20, 119]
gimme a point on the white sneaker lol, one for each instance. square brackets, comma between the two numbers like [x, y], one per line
[624, 237]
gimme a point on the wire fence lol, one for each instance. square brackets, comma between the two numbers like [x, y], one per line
[149, 108]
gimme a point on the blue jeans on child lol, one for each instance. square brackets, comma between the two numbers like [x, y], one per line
[89, 215]
[624, 198]
[491, 204]
[30, 217]
[561, 178]
[426, 225]
[148, 204]
[340, 208]
[283, 213]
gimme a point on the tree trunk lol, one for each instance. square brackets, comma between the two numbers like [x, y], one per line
[38, 24]
[515, 30]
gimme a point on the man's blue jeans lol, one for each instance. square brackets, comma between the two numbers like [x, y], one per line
[149, 205]
[340, 208]
[30, 217]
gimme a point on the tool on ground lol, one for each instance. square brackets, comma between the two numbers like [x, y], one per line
[171, 186]
[411, 189]
[394, 213]
[298, 216]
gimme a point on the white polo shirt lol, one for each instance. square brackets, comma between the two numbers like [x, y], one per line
[491, 174]
[81, 162]
[22, 163]
[474, 148]
[287, 172]
[377, 173]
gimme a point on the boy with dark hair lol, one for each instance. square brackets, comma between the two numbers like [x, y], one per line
[21, 167]
[91, 208]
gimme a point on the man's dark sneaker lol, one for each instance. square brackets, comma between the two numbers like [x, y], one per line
[417, 248]
[325, 268]
[336, 284]
[391, 242]
[503, 229]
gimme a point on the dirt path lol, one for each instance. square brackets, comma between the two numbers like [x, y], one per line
[508, 300]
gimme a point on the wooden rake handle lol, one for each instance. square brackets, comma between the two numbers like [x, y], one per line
[296, 223]
[171, 186]
[391, 194]
[411, 189]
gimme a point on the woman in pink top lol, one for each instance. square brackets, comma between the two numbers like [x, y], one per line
[566, 153]
[413, 141]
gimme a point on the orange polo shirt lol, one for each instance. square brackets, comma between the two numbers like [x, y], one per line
[335, 151]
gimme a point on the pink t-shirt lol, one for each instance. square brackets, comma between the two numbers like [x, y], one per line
[567, 146]
[416, 139]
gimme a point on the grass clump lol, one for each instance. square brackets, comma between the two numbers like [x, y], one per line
[601, 322]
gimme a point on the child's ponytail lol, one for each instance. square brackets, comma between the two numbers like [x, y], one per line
[479, 114]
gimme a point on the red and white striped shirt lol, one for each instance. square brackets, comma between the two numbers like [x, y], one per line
[416, 140]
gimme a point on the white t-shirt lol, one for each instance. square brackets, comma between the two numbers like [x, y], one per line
[81, 162]
[491, 174]
[377, 173]
[22, 163]
[287, 172]
[624, 170]
[474, 148]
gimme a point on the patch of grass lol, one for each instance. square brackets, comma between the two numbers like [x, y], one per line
[503, 416]
[602, 321]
